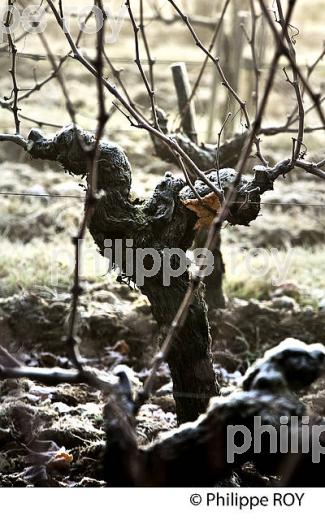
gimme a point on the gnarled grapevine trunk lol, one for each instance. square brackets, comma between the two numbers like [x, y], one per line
[161, 222]
[189, 359]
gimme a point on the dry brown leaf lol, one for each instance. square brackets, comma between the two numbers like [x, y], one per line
[206, 212]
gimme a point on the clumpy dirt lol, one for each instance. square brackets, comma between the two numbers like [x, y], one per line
[245, 329]
[53, 436]
[64, 423]
[106, 317]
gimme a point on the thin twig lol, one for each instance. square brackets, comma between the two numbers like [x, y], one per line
[148, 86]
[13, 69]
[228, 116]
[210, 49]
[251, 39]
[102, 118]
[296, 85]
[151, 61]
[285, 52]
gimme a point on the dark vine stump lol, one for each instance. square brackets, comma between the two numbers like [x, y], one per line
[163, 221]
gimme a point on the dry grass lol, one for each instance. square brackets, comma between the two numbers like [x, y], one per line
[250, 276]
